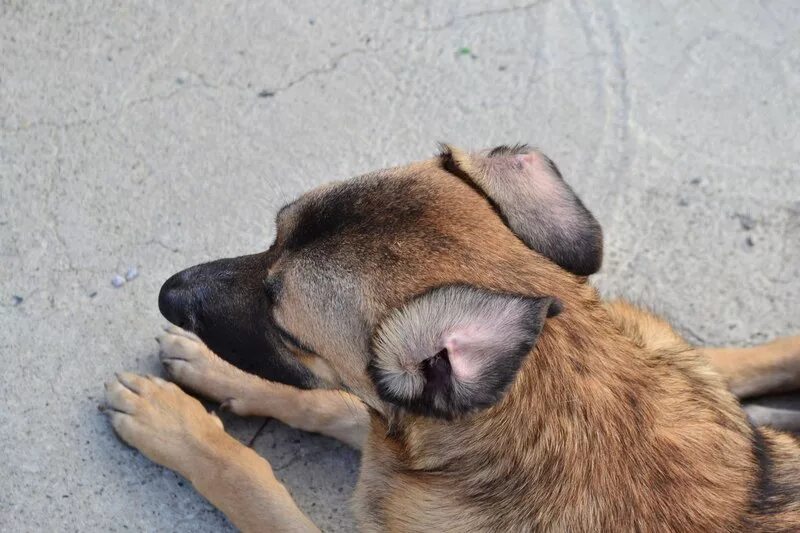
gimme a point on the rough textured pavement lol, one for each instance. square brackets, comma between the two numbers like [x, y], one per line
[159, 136]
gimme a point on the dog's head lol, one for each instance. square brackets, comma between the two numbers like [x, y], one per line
[423, 287]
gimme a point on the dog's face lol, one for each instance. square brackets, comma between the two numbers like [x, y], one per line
[422, 287]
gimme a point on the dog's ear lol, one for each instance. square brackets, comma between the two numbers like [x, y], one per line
[527, 189]
[455, 349]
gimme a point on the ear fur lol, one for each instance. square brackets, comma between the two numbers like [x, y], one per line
[455, 349]
[536, 203]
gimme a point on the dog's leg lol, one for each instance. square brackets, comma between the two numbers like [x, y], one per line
[173, 429]
[764, 369]
[775, 417]
[191, 364]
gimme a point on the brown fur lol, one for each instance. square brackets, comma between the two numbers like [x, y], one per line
[613, 423]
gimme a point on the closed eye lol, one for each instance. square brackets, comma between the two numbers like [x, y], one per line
[291, 341]
[273, 286]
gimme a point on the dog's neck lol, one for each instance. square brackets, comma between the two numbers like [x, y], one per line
[587, 400]
[571, 382]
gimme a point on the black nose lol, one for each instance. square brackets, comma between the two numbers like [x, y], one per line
[175, 301]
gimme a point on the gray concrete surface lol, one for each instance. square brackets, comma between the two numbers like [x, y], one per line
[159, 135]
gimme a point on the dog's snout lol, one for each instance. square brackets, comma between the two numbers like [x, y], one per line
[175, 301]
[206, 293]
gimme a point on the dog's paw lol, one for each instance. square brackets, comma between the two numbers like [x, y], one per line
[187, 360]
[191, 364]
[160, 420]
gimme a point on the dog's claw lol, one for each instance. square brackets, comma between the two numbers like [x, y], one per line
[229, 406]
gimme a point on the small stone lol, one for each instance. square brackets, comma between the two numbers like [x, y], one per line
[132, 274]
[749, 242]
[16, 300]
[92, 294]
[266, 94]
[117, 281]
[695, 181]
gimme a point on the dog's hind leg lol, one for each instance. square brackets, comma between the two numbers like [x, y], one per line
[754, 371]
[768, 368]
[781, 412]
[333, 413]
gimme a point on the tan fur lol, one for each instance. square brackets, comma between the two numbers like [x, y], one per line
[614, 422]
[598, 403]
[333, 413]
[773, 367]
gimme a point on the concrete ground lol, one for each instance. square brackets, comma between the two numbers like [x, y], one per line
[159, 135]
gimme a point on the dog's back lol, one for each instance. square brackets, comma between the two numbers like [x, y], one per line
[774, 502]
[646, 438]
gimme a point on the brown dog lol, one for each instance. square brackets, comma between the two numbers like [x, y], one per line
[487, 384]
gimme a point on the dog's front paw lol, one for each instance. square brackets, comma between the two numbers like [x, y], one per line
[191, 364]
[187, 360]
[160, 420]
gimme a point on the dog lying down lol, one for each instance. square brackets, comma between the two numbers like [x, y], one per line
[438, 317]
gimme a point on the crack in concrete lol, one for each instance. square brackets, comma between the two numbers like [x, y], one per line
[287, 464]
[478, 14]
[51, 213]
[258, 432]
[332, 66]
[158, 242]
[327, 69]
[104, 118]
[158, 60]
[619, 66]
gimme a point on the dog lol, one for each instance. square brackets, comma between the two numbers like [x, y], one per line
[438, 317]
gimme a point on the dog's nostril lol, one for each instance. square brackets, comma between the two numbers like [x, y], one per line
[174, 301]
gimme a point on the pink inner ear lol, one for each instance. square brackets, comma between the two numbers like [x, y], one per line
[464, 348]
[542, 181]
[545, 190]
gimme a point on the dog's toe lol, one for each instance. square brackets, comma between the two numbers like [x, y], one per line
[180, 370]
[191, 364]
[175, 330]
[120, 397]
[157, 418]
[176, 345]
